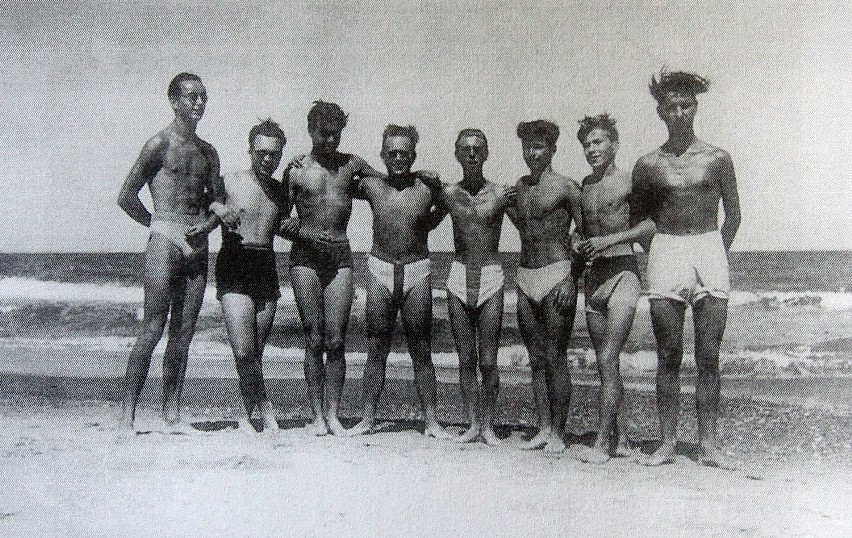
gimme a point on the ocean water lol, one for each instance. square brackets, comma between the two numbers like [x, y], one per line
[790, 312]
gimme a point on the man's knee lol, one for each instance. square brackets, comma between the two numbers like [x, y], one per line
[488, 368]
[537, 362]
[334, 347]
[314, 342]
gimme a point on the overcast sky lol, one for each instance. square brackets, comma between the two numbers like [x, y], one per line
[83, 87]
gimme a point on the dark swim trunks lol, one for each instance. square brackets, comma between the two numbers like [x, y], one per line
[602, 278]
[246, 270]
[324, 259]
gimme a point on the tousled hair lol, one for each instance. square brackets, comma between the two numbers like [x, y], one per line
[326, 112]
[398, 130]
[174, 86]
[678, 82]
[531, 130]
[601, 121]
[266, 128]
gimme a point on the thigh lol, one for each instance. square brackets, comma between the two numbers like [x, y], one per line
[489, 326]
[162, 261]
[195, 285]
[240, 321]
[417, 310]
[307, 290]
[462, 327]
[265, 315]
[337, 299]
[379, 309]
[530, 327]
[667, 317]
[556, 324]
[709, 316]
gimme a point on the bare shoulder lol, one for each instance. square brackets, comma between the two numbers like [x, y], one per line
[207, 148]
[715, 153]
[157, 143]
[563, 183]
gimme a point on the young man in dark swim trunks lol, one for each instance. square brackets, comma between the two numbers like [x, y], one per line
[612, 285]
[547, 295]
[399, 279]
[182, 174]
[679, 186]
[475, 282]
[246, 276]
[321, 188]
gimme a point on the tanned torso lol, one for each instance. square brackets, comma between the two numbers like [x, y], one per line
[322, 194]
[259, 216]
[544, 219]
[684, 190]
[477, 220]
[606, 207]
[400, 217]
[182, 181]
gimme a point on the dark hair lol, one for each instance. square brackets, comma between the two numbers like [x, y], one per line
[175, 90]
[601, 121]
[677, 82]
[326, 112]
[397, 130]
[266, 128]
[472, 132]
[531, 130]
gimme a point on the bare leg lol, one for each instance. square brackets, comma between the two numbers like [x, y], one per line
[465, 339]
[381, 315]
[488, 330]
[337, 298]
[533, 335]
[307, 291]
[159, 267]
[417, 324]
[709, 317]
[187, 298]
[265, 317]
[667, 317]
[557, 330]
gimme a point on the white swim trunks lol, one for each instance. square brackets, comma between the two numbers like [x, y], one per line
[688, 267]
[173, 226]
[399, 278]
[538, 282]
[474, 294]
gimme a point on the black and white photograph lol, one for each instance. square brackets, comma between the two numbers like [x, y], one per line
[425, 268]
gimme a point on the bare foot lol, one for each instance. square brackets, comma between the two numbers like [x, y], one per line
[590, 455]
[317, 427]
[245, 427]
[335, 426]
[713, 457]
[663, 455]
[470, 435]
[180, 428]
[490, 437]
[624, 451]
[438, 432]
[364, 427]
[555, 445]
[538, 441]
[270, 424]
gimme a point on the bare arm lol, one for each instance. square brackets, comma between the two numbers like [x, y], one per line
[642, 204]
[437, 213]
[216, 188]
[730, 201]
[575, 204]
[143, 170]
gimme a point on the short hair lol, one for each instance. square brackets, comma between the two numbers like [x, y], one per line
[601, 121]
[531, 130]
[175, 90]
[678, 82]
[326, 112]
[266, 128]
[470, 131]
[397, 130]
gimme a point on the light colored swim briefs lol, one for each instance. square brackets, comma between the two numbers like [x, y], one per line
[173, 226]
[399, 277]
[688, 268]
[538, 282]
[473, 294]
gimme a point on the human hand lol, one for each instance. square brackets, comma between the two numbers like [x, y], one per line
[566, 295]
[429, 178]
[593, 247]
[509, 194]
[289, 227]
[298, 161]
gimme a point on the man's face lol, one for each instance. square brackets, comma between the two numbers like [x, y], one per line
[192, 101]
[678, 110]
[471, 152]
[265, 154]
[599, 149]
[398, 155]
[326, 137]
[538, 153]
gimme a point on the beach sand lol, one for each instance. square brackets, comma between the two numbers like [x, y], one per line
[66, 472]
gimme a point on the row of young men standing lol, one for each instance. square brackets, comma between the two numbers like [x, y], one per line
[673, 196]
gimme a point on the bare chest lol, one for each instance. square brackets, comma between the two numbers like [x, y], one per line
[483, 206]
[539, 201]
[684, 173]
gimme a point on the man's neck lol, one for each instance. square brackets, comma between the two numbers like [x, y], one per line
[473, 181]
[680, 141]
[401, 181]
[605, 171]
[535, 175]
[184, 128]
